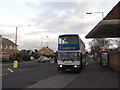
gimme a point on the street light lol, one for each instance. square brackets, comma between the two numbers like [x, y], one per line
[96, 13]
[102, 13]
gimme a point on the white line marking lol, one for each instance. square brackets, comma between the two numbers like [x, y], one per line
[3, 74]
[10, 70]
[86, 63]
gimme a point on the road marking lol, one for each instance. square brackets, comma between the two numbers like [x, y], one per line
[3, 74]
[10, 70]
[22, 70]
[86, 63]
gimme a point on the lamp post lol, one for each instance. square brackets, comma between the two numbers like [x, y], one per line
[102, 13]
[97, 13]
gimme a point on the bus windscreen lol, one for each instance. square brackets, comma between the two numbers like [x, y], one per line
[67, 56]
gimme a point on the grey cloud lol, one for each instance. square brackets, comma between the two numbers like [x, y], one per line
[50, 20]
[29, 44]
[34, 33]
[36, 44]
[54, 17]
[7, 35]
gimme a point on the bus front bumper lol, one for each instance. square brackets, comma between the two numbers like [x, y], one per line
[70, 67]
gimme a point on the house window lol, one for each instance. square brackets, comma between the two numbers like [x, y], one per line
[3, 53]
[5, 46]
[14, 47]
[10, 47]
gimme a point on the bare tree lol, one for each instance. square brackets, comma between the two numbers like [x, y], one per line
[117, 41]
[97, 44]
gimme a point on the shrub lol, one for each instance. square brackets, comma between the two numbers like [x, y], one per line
[36, 56]
[26, 57]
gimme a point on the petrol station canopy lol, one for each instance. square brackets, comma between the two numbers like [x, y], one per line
[109, 27]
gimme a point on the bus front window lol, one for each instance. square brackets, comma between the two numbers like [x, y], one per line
[68, 40]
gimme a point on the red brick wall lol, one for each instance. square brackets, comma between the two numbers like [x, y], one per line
[114, 60]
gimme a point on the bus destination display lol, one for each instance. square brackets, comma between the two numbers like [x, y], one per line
[68, 48]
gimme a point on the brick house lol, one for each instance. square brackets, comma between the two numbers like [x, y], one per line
[46, 51]
[8, 48]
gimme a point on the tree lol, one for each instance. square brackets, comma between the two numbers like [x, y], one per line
[97, 44]
[117, 42]
[36, 51]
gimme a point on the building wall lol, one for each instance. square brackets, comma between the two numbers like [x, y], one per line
[114, 62]
[8, 48]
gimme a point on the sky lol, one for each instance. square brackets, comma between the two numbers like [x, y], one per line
[40, 22]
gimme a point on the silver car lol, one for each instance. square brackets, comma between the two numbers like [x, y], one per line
[43, 59]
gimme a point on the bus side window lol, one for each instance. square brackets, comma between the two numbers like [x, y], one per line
[59, 41]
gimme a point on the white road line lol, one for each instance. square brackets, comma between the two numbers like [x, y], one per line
[10, 70]
[86, 63]
[21, 70]
[3, 74]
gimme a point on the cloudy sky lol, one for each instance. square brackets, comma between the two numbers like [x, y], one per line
[40, 22]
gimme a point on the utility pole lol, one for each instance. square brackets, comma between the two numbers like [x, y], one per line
[16, 43]
[46, 41]
[16, 36]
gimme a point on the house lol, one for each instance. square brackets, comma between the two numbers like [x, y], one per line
[7, 48]
[46, 51]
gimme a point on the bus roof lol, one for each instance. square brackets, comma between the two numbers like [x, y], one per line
[69, 35]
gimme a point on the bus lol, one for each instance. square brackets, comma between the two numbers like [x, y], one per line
[70, 51]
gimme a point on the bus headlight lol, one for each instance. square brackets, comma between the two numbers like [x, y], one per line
[75, 66]
[60, 65]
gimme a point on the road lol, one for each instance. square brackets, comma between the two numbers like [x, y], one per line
[46, 75]
[27, 74]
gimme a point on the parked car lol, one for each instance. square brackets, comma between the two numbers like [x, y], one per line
[43, 59]
[52, 60]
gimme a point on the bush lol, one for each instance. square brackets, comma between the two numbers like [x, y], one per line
[11, 58]
[26, 57]
[36, 56]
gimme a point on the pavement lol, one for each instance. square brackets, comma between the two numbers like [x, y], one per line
[95, 76]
